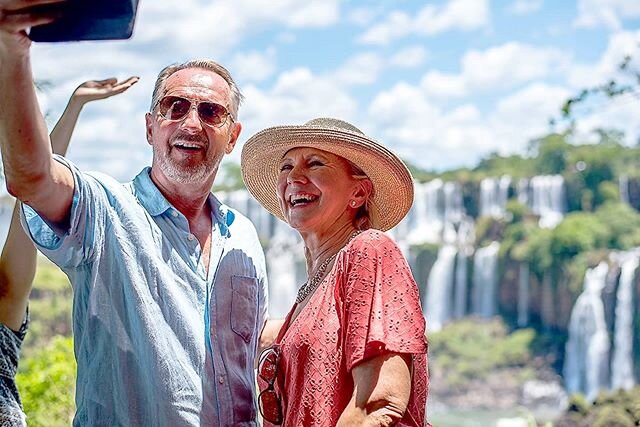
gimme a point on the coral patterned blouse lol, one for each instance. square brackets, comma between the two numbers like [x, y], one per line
[366, 306]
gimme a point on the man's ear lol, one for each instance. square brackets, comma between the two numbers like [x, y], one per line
[148, 119]
[234, 133]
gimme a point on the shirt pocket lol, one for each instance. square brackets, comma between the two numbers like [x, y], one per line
[244, 306]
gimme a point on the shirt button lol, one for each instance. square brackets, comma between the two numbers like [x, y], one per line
[191, 237]
[221, 379]
[174, 214]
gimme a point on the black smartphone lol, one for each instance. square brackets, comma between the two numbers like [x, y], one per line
[88, 20]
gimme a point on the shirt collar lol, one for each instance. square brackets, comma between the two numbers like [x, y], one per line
[156, 204]
[148, 194]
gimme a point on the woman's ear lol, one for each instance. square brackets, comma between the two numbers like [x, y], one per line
[362, 193]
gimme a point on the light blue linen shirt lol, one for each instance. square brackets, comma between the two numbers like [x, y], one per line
[157, 341]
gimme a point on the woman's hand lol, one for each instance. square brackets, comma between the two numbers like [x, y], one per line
[93, 90]
[382, 388]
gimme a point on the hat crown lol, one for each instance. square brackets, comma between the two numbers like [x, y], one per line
[330, 123]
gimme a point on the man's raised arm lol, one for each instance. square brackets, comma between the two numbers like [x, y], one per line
[32, 175]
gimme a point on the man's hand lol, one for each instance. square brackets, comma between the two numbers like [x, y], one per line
[93, 90]
[18, 16]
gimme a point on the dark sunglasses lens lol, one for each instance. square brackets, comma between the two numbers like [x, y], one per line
[268, 367]
[211, 113]
[174, 107]
[270, 407]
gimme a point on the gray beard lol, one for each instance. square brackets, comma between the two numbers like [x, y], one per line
[186, 175]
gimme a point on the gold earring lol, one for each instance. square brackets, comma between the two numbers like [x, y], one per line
[353, 203]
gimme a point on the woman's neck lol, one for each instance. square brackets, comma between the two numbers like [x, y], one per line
[319, 247]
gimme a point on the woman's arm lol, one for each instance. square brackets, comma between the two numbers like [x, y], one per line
[382, 388]
[88, 91]
[17, 270]
[18, 259]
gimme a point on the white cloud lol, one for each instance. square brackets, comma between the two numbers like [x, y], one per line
[501, 67]
[442, 85]
[606, 13]
[362, 16]
[360, 69]
[410, 57]
[524, 7]
[253, 66]
[439, 138]
[463, 15]
[620, 45]
[296, 97]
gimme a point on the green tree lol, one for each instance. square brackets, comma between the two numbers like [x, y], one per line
[46, 382]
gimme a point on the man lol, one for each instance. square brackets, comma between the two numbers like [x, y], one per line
[169, 284]
[18, 259]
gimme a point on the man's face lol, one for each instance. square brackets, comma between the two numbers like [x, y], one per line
[188, 151]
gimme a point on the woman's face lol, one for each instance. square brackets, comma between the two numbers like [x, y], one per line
[315, 188]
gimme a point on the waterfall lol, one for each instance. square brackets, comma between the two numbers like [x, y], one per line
[485, 280]
[622, 375]
[623, 187]
[493, 196]
[439, 289]
[548, 199]
[523, 295]
[284, 255]
[523, 191]
[587, 350]
[427, 218]
[460, 289]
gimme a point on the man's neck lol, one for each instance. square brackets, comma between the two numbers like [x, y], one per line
[190, 199]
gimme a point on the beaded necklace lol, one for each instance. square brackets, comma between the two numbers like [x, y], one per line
[310, 285]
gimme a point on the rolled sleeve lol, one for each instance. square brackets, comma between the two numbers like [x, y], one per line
[78, 244]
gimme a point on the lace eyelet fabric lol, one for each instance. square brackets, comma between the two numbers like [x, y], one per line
[368, 305]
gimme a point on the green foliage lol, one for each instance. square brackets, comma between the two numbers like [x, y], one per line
[551, 154]
[49, 307]
[468, 349]
[623, 223]
[612, 416]
[50, 278]
[620, 408]
[230, 177]
[46, 382]
[579, 232]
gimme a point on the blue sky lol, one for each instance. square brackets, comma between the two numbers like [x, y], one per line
[442, 83]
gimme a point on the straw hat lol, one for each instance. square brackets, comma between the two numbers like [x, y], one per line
[392, 182]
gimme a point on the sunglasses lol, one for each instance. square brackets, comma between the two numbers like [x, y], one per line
[268, 400]
[175, 108]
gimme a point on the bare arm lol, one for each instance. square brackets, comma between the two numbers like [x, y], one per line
[32, 175]
[88, 91]
[18, 259]
[17, 270]
[269, 333]
[382, 387]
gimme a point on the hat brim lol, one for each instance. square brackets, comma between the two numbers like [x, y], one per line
[392, 182]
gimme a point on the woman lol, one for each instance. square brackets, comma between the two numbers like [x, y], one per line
[352, 350]
[18, 259]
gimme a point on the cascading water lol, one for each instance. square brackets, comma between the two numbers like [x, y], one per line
[622, 375]
[523, 295]
[485, 280]
[283, 255]
[439, 288]
[493, 196]
[623, 188]
[460, 287]
[587, 350]
[548, 199]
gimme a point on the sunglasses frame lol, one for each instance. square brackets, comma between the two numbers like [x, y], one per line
[193, 103]
[272, 350]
